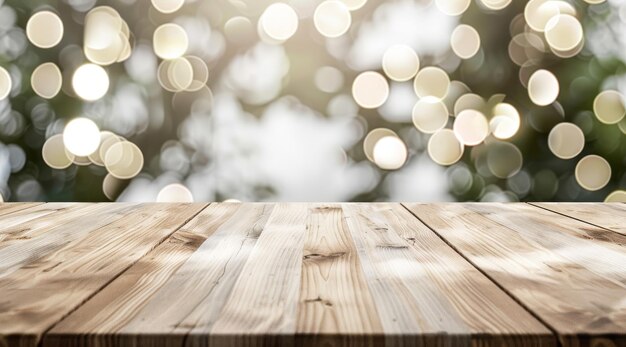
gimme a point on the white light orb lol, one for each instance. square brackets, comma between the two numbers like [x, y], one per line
[609, 107]
[566, 140]
[332, 18]
[44, 29]
[279, 21]
[390, 153]
[431, 81]
[465, 41]
[81, 137]
[453, 7]
[370, 89]
[593, 172]
[400, 63]
[471, 127]
[167, 6]
[445, 148]
[170, 41]
[90, 82]
[175, 193]
[543, 88]
[46, 80]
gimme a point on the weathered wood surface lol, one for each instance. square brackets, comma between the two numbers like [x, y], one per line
[310, 275]
[611, 216]
[572, 275]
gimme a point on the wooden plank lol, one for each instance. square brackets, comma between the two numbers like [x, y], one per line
[24, 243]
[144, 305]
[85, 257]
[335, 306]
[262, 305]
[611, 216]
[426, 294]
[570, 274]
[10, 207]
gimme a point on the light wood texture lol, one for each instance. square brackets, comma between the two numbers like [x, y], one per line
[611, 216]
[466, 275]
[10, 207]
[422, 288]
[570, 274]
[47, 276]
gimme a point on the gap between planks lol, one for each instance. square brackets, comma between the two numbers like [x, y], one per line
[513, 297]
[537, 205]
[113, 278]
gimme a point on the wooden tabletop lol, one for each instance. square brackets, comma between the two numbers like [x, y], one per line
[255, 274]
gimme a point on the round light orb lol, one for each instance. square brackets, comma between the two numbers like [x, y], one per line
[566, 140]
[564, 32]
[616, 196]
[175, 193]
[124, 160]
[471, 127]
[431, 81]
[538, 13]
[505, 122]
[372, 137]
[400, 63]
[170, 41]
[332, 18]
[90, 82]
[46, 80]
[279, 21]
[453, 7]
[543, 88]
[44, 29]
[593, 172]
[430, 115]
[390, 153]
[370, 89]
[81, 137]
[5, 83]
[54, 153]
[444, 147]
[105, 138]
[609, 107]
[167, 6]
[180, 73]
[465, 41]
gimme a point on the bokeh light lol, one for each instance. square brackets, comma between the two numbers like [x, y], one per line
[370, 89]
[90, 82]
[465, 41]
[593, 172]
[453, 7]
[609, 107]
[390, 153]
[400, 63]
[81, 136]
[170, 41]
[431, 81]
[566, 140]
[332, 18]
[429, 115]
[46, 80]
[44, 29]
[124, 160]
[444, 147]
[543, 88]
[471, 127]
[5, 83]
[55, 154]
[168, 6]
[279, 21]
[174, 193]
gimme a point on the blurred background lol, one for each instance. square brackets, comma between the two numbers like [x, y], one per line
[311, 100]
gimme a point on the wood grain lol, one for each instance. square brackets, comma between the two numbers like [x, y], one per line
[10, 207]
[457, 275]
[570, 274]
[145, 306]
[611, 216]
[68, 263]
[425, 293]
[335, 306]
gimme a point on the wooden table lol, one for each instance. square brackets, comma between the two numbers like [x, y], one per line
[313, 274]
